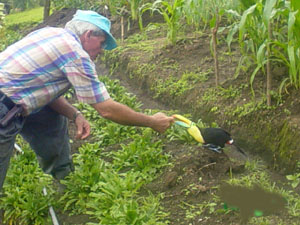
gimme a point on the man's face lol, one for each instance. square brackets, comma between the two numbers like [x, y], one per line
[92, 44]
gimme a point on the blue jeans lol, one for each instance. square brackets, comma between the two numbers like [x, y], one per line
[47, 133]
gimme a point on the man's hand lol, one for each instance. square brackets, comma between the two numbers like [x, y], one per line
[161, 122]
[63, 107]
[83, 127]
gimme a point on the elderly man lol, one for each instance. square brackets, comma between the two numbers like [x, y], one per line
[34, 74]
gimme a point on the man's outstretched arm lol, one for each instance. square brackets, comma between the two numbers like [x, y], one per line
[124, 115]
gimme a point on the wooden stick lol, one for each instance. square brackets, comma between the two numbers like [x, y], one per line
[210, 164]
[122, 28]
[214, 37]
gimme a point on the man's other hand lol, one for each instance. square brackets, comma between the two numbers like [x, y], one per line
[83, 127]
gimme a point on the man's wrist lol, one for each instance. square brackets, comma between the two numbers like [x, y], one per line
[75, 115]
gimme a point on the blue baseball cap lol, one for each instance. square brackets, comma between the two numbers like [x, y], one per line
[100, 21]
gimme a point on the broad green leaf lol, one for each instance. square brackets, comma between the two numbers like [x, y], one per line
[291, 24]
[247, 3]
[295, 5]
[233, 12]
[293, 70]
[261, 54]
[253, 76]
[245, 15]
[230, 35]
[268, 9]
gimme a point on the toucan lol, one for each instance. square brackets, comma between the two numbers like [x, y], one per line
[211, 138]
[216, 138]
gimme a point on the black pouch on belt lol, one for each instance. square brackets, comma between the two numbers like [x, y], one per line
[14, 110]
[10, 115]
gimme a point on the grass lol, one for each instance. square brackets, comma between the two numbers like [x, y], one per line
[33, 16]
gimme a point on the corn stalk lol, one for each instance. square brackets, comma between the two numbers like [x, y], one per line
[267, 17]
[269, 75]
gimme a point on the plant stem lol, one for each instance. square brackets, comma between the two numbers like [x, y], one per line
[269, 75]
[214, 36]
[122, 29]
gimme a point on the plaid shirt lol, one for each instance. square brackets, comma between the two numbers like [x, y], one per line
[44, 65]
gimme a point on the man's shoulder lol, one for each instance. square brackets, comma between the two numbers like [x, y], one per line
[54, 34]
[49, 30]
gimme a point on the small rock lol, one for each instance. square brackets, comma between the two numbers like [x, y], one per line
[237, 160]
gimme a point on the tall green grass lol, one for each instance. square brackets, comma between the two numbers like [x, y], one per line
[16, 22]
[32, 16]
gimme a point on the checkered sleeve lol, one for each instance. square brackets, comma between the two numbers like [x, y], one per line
[82, 74]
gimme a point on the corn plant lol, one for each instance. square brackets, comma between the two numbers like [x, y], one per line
[113, 5]
[294, 43]
[142, 9]
[260, 35]
[194, 13]
[199, 13]
[134, 8]
[172, 13]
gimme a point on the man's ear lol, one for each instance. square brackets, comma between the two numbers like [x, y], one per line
[86, 36]
[88, 33]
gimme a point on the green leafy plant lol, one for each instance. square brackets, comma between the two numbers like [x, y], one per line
[142, 154]
[24, 202]
[294, 178]
[88, 169]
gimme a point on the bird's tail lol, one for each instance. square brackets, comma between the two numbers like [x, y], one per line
[240, 149]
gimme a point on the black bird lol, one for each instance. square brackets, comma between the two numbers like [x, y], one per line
[216, 138]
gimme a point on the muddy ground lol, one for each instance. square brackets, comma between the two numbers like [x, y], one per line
[197, 171]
